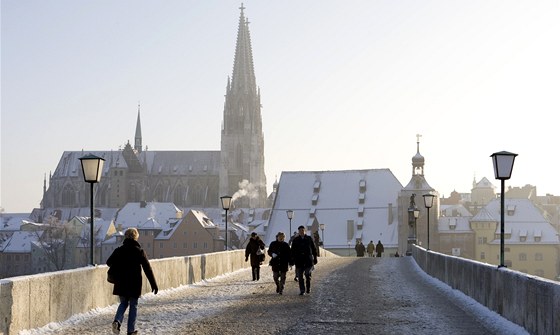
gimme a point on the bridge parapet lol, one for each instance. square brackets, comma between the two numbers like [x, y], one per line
[33, 301]
[529, 301]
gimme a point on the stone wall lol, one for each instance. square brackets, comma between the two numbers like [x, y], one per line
[529, 301]
[33, 301]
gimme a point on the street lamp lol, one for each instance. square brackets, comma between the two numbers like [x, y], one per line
[322, 227]
[290, 214]
[413, 213]
[226, 203]
[428, 203]
[92, 166]
[503, 165]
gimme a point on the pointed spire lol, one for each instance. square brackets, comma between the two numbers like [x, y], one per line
[138, 135]
[243, 78]
[418, 159]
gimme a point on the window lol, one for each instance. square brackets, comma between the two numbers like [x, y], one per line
[314, 199]
[483, 255]
[362, 198]
[195, 245]
[185, 245]
[539, 272]
[523, 257]
[205, 245]
[174, 245]
[539, 256]
[317, 186]
[161, 245]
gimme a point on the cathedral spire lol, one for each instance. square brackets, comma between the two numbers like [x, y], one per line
[242, 143]
[138, 135]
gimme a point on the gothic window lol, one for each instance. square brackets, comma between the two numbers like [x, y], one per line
[196, 195]
[68, 196]
[158, 193]
[179, 196]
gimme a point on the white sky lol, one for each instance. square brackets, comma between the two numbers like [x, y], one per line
[344, 85]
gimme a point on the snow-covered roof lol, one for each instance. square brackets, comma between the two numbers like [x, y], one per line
[334, 197]
[522, 217]
[19, 242]
[137, 214]
[12, 221]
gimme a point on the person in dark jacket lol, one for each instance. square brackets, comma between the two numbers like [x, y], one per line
[304, 256]
[360, 249]
[129, 260]
[255, 249]
[280, 254]
[379, 249]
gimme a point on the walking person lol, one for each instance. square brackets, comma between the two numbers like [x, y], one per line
[304, 256]
[129, 260]
[280, 254]
[360, 249]
[294, 235]
[379, 248]
[255, 250]
[370, 248]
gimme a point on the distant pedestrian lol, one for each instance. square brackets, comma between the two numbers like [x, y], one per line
[397, 254]
[379, 249]
[255, 249]
[280, 254]
[304, 256]
[317, 240]
[294, 235]
[128, 261]
[360, 249]
[370, 248]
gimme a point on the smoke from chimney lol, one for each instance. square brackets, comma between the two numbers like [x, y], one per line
[246, 189]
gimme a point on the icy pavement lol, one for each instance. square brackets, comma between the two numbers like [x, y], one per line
[348, 296]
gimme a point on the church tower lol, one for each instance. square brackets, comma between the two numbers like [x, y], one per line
[138, 135]
[410, 199]
[242, 143]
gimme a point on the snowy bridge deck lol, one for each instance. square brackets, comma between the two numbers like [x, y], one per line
[348, 296]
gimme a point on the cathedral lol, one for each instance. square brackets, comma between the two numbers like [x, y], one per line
[186, 178]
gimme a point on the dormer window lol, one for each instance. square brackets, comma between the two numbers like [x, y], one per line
[538, 235]
[452, 224]
[312, 212]
[362, 186]
[360, 224]
[317, 186]
[314, 199]
[361, 211]
[362, 198]
[523, 236]
[510, 210]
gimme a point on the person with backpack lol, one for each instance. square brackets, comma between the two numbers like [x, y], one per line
[126, 264]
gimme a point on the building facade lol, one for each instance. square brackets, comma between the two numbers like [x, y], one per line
[186, 178]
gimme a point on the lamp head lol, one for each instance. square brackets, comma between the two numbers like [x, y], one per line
[290, 214]
[428, 200]
[226, 202]
[503, 164]
[92, 167]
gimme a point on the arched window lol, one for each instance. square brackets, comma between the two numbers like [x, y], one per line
[179, 195]
[68, 196]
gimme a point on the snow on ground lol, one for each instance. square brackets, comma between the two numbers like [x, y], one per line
[158, 313]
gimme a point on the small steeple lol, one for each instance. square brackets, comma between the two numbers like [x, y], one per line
[138, 135]
[418, 159]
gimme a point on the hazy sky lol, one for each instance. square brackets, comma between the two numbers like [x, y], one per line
[344, 84]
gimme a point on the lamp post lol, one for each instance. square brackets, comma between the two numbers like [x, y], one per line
[290, 214]
[413, 213]
[92, 167]
[226, 203]
[322, 227]
[428, 203]
[503, 165]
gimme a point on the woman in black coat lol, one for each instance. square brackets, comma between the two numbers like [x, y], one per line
[128, 261]
[279, 251]
[255, 244]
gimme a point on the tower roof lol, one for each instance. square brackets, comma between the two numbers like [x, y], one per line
[243, 78]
